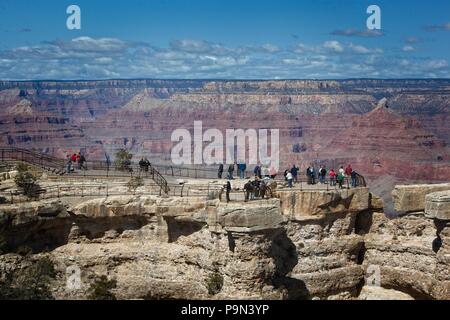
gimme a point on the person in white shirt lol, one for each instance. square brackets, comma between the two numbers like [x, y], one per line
[289, 178]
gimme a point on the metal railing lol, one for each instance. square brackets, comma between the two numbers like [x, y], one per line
[209, 190]
[44, 161]
[153, 171]
[58, 166]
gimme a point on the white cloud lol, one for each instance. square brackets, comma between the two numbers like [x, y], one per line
[408, 49]
[89, 58]
[436, 64]
[270, 47]
[359, 49]
[333, 45]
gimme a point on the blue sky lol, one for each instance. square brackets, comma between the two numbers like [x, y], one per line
[229, 39]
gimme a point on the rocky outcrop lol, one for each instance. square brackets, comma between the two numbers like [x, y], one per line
[311, 204]
[437, 205]
[301, 245]
[411, 252]
[410, 198]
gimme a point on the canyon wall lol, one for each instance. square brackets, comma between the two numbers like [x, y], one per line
[300, 245]
[404, 139]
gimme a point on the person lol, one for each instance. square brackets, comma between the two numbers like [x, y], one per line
[230, 172]
[312, 172]
[242, 169]
[289, 178]
[142, 164]
[257, 171]
[108, 161]
[74, 158]
[354, 176]
[322, 174]
[238, 171]
[272, 172]
[83, 162]
[69, 164]
[147, 164]
[220, 171]
[228, 190]
[294, 172]
[265, 171]
[340, 179]
[308, 175]
[332, 177]
[285, 174]
[348, 171]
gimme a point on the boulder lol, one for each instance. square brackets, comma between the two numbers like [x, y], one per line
[379, 293]
[252, 216]
[437, 205]
[411, 198]
[309, 204]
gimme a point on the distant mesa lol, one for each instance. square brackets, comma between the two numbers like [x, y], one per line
[24, 107]
[143, 101]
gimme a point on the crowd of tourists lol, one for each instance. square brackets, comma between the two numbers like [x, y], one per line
[76, 160]
[314, 175]
[334, 178]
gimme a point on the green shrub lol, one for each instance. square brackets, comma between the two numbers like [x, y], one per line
[30, 283]
[22, 167]
[214, 283]
[101, 289]
[26, 182]
[123, 160]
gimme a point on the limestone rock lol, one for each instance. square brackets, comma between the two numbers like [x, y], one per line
[316, 204]
[437, 205]
[379, 293]
[254, 216]
[410, 198]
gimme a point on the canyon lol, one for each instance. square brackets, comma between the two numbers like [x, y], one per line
[403, 139]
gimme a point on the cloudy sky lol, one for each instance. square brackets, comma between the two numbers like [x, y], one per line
[224, 39]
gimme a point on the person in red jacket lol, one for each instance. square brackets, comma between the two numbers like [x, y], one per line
[348, 170]
[74, 157]
[332, 177]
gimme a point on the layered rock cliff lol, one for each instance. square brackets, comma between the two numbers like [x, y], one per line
[321, 122]
[301, 245]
